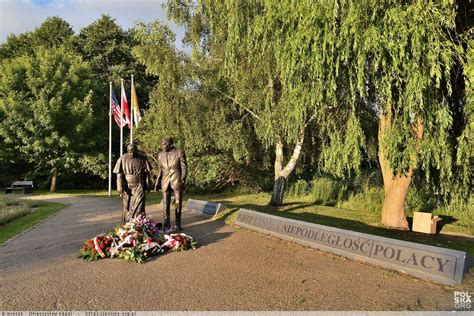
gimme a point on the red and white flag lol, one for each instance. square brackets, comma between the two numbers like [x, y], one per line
[125, 108]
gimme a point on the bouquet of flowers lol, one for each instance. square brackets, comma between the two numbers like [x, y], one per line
[96, 247]
[178, 242]
[136, 240]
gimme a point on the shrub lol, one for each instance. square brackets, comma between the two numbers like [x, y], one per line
[370, 200]
[460, 209]
[419, 200]
[11, 209]
[327, 191]
[299, 188]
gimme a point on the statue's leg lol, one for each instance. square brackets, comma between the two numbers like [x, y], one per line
[137, 201]
[125, 207]
[166, 208]
[179, 203]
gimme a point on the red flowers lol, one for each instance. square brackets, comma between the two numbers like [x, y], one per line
[134, 241]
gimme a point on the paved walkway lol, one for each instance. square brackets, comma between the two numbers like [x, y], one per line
[234, 269]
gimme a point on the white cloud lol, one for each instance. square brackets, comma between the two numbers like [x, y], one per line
[21, 16]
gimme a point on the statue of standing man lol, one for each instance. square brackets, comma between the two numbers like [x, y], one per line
[171, 178]
[133, 180]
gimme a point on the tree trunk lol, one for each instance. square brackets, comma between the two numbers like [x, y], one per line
[279, 182]
[278, 192]
[282, 174]
[54, 180]
[393, 212]
[395, 185]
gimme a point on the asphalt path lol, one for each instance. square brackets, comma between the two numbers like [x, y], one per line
[233, 269]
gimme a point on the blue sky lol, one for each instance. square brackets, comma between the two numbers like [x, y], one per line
[18, 16]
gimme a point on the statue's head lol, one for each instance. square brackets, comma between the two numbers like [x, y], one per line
[131, 148]
[167, 143]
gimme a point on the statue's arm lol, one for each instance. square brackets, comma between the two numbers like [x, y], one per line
[120, 175]
[184, 166]
[158, 180]
[148, 181]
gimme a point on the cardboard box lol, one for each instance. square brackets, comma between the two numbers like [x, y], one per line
[425, 223]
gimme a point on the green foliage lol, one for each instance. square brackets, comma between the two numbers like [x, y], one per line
[419, 198]
[326, 191]
[462, 210]
[299, 189]
[464, 159]
[217, 138]
[108, 49]
[369, 200]
[344, 62]
[53, 32]
[47, 111]
[135, 254]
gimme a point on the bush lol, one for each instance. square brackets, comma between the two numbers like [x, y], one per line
[11, 209]
[370, 200]
[326, 191]
[460, 209]
[299, 188]
[419, 199]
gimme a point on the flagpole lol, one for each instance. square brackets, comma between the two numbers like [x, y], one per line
[131, 112]
[121, 119]
[110, 138]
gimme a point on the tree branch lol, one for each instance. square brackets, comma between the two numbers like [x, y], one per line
[309, 121]
[255, 115]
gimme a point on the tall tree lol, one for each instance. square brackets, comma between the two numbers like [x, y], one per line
[52, 32]
[108, 49]
[47, 112]
[408, 56]
[186, 105]
[281, 95]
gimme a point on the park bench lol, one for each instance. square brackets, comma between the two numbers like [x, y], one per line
[25, 186]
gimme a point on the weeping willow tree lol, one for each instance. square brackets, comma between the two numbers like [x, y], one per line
[335, 63]
[399, 57]
[251, 39]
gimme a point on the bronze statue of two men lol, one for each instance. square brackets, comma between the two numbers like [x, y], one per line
[133, 181]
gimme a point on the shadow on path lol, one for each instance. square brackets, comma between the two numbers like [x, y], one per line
[63, 234]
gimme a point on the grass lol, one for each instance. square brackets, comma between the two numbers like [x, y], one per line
[28, 218]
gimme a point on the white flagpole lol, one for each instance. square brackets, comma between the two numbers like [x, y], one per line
[121, 119]
[110, 138]
[131, 112]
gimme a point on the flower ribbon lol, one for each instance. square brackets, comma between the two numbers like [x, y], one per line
[97, 248]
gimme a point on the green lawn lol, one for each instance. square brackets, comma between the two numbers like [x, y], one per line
[42, 210]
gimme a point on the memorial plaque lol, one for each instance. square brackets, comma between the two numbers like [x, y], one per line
[439, 264]
[207, 209]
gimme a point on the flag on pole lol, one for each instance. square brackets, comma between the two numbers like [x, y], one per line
[136, 111]
[116, 110]
[126, 112]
